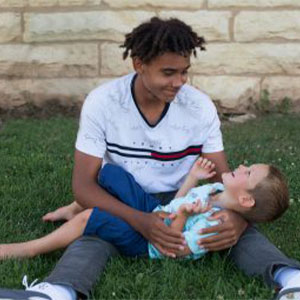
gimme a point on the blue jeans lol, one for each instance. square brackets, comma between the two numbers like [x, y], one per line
[123, 186]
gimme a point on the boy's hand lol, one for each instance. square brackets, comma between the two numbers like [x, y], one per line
[231, 227]
[164, 238]
[203, 169]
[190, 209]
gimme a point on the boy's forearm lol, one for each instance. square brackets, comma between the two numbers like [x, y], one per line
[220, 160]
[188, 183]
[179, 222]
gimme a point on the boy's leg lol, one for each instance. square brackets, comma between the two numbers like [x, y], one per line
[81, 264]
[85, 260]
[121, 184]
[256, 255]
[116, 231]
[59, 238]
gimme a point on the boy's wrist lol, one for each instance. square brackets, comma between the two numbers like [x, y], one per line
[182, 215]
[192, 177]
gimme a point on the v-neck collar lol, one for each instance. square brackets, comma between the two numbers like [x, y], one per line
[140, 112]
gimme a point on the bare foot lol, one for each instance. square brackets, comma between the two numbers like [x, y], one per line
[64, 213]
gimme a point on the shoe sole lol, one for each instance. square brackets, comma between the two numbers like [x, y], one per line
[7, 294]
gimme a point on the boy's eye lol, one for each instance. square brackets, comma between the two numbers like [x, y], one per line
[168, 73]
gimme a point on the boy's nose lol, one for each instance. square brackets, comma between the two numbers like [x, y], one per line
[242, 168]
[179, 80]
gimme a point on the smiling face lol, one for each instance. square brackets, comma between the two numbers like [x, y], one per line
[244, 178]
[259, 193]
[161, 78]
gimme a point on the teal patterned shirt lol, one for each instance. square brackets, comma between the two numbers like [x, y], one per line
[193, 223]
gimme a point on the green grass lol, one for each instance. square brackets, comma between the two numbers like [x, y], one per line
[36, 159]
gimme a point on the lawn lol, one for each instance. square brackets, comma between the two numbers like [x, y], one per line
[36, 158]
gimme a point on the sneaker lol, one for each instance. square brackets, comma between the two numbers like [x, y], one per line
[289, 294]
[7, 294]
[41, 291]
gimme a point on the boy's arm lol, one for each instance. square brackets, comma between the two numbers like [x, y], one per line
[188, 183]
[178, 224]
[220, 161]
[201, 169]
[184, 211]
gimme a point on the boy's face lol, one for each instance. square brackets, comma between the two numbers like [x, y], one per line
[164, 75]
[244, 178]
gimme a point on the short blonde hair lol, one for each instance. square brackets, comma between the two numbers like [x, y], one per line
[271, 198]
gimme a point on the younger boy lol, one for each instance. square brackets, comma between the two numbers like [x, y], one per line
[259, 193]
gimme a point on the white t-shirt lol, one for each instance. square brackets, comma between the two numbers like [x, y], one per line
[160, 156]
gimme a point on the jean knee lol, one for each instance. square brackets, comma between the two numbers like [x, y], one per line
[109, 173]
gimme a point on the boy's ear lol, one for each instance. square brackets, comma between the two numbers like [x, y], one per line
[137, 65]
[246, 201]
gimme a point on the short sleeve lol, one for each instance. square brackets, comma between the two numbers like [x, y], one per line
[214, 140]
[91, 133]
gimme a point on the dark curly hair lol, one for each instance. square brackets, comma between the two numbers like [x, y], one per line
[157, 36]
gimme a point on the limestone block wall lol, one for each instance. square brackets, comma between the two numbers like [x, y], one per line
[61, 49]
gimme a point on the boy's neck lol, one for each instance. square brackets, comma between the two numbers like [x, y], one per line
[220, 199]
[151, 107]
[226, 201]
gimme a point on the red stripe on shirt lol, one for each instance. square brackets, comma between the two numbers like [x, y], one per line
[177, 155]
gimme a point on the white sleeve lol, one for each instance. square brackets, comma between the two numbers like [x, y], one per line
[214, 141]
[91, 133]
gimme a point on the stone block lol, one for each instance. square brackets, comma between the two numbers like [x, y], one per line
[280, 87]
[238, 58]
[256, 26]
[13, 3]
[49, 3]
[107, 25]
[76, 60]
[232, 92]
[213, 25]
[112, 63]
[252, 3]
[38, 91]
[155, 3]
[10, 27]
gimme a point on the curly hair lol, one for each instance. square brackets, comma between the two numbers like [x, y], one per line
[157, 36]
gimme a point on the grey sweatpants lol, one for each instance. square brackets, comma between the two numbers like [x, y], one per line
[85, 259]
